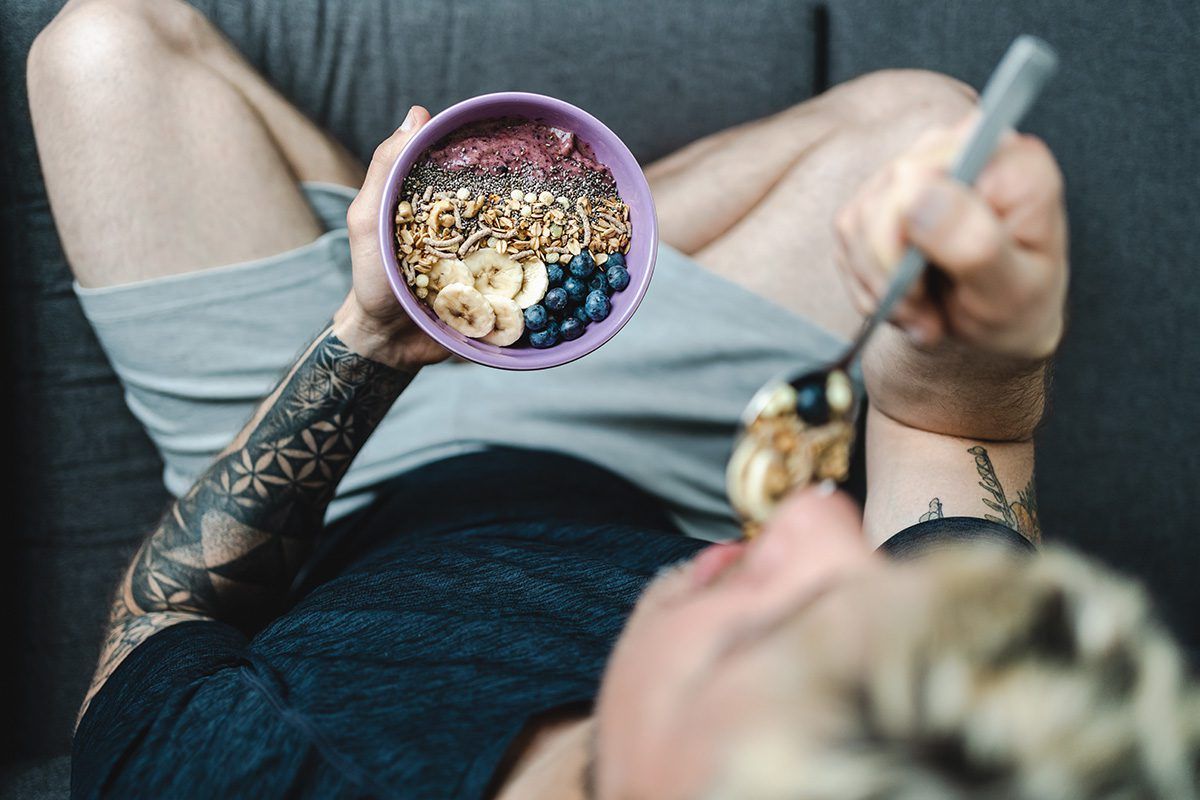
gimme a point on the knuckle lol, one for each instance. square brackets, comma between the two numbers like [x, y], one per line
[359, 218]
[382, 157]
[1043, 159]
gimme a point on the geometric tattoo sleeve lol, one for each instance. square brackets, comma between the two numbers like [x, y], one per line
[230, 547]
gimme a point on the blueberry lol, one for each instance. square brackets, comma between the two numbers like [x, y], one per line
[555, 273]
[546, 338]
[617, 276]
[811, 404]
[597, 281]
[597, 305]
[614, 260]
[536, 318]
[543, 339]
[555, 299]
[571, 329]
[580, 313]
[582, 265]
[575, 288]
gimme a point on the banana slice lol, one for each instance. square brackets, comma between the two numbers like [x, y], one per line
[448, 271]
[756, 479]
[534, 285]
[466, 310]
[495, 273]
[510, 321]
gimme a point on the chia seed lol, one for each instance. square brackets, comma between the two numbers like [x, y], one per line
[590, 183]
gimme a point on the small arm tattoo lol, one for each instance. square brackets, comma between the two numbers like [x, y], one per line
[934, 512]
[230, 548]
[1020, 514]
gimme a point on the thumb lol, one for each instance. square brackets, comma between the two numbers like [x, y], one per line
[386, 153]
[363, 214]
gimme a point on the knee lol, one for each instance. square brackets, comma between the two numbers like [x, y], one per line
[92, 42]
[885, 96]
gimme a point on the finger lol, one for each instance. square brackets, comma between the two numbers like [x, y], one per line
[861, 264]
[364, 211]
[385, 155]
[863, 300]
[1024, 185]
[921, 318]
[959, 232]
[876, 224]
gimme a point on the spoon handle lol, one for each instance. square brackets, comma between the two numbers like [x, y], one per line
[1010, 91]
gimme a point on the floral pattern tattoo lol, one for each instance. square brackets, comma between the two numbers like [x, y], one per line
[1020, 514]
[230, 548]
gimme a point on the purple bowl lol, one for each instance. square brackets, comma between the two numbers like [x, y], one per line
[631, 185]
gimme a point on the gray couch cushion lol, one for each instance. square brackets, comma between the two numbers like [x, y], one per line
[659, 74]
[1117, 461]
[86, 483]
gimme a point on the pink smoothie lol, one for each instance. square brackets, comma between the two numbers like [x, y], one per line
[516, 146]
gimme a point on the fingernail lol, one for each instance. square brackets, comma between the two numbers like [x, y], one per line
[825, 488]
[410, 120]
[929, 209]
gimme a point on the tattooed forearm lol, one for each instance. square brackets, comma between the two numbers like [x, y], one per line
[1021, 514]
[231, 546]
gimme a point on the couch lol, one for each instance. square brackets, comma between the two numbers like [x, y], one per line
[1119, 457]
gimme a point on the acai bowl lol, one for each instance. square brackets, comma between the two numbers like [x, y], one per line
[518, 231]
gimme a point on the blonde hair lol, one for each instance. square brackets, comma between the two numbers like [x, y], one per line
[1042, 678]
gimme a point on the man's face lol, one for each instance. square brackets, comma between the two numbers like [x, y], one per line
[701, 655]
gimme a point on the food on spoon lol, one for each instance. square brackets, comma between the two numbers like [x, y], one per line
[801, 435]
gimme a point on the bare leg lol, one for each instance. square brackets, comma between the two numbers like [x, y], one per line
[755, 204]
[163, 151]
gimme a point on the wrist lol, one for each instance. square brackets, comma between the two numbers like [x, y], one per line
[381, 342]
[954, 389]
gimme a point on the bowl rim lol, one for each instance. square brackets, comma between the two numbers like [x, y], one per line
[522, 359]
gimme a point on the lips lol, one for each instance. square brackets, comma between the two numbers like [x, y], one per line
[712, 561]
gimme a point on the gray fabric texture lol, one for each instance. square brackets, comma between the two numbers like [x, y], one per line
[658, 404]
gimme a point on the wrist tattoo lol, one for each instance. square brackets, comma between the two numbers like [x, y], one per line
[1021, 514]
[934, 512]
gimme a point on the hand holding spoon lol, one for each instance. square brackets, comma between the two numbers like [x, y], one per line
[799, 428]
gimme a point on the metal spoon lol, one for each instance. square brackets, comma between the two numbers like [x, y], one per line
[799, 427]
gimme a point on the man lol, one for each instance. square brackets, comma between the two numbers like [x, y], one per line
[441, 631]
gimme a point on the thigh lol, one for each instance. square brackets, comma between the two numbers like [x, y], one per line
[161, 150]
[756, 204]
